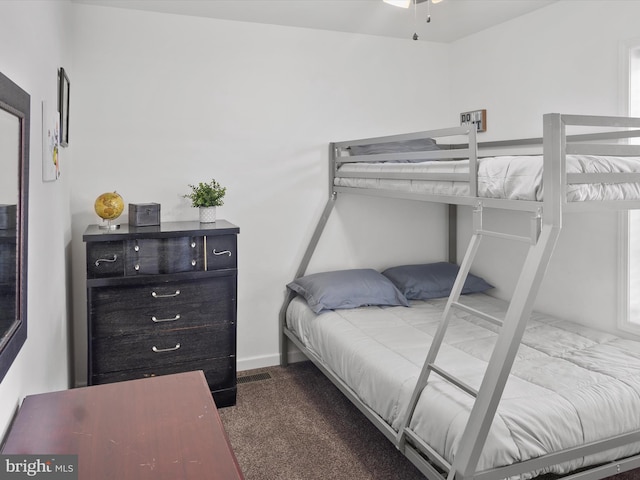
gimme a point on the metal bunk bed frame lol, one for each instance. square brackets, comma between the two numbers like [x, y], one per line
[546, 223]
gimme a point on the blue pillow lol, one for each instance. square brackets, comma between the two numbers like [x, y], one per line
[416, 145]
[347, 289]
[432, 280]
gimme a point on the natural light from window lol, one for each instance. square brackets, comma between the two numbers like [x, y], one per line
[633, 314]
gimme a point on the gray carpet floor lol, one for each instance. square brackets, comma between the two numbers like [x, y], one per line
[296, 425]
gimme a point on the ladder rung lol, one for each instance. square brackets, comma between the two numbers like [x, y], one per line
[453, 380]
[504, 236]
[478, 313]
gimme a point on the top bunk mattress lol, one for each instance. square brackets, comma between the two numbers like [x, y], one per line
[503, 177]
[569, 385]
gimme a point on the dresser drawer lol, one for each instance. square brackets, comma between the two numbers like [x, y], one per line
[105, 259]
[153, 256]
[221, 252]
[220, 372]
[162, 349]
[144, 321]
[160, 298]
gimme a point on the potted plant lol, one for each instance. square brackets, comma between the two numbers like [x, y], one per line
[207, 196]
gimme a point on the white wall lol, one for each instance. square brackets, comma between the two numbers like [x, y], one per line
[562, 58]
[33, 45]
[161, 101]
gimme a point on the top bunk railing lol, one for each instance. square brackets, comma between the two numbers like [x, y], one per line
[600, 144]
[459, 144]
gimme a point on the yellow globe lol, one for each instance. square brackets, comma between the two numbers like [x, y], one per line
[109, 205]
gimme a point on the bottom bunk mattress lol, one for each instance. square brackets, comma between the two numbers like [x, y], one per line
[570, 385]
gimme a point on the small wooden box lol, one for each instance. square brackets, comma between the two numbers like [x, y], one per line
[8, 217]
[144, 214]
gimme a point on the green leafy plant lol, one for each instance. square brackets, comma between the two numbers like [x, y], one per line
[206, 194]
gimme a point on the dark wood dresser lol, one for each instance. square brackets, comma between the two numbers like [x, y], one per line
[162, 300]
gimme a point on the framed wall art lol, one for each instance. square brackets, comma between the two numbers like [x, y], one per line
[64, 90]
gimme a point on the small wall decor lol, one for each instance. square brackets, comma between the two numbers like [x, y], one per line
[64, 90]
[50, 143]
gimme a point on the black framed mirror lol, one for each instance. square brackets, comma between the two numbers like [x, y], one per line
[15, 105]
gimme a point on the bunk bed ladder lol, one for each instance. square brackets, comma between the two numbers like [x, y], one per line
[542, 238]
[453, 302]
[542, 241]
[504, 352]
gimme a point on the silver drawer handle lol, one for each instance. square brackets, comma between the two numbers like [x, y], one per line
[158, 320]
[170, 349]
[107, 260]
[224, 252]
[168, 295]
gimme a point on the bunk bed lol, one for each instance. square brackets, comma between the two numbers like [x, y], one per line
[466, 385]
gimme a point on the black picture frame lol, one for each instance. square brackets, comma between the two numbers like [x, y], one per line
[64, 92]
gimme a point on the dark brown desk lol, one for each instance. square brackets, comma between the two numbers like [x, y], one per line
[163, 427]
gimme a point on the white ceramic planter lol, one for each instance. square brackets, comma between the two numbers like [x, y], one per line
[207, 214]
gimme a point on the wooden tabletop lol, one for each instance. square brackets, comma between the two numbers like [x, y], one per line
[163, 427]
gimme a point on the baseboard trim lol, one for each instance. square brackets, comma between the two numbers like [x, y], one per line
[252, 363]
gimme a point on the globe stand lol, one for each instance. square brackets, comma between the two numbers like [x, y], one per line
[109, 226]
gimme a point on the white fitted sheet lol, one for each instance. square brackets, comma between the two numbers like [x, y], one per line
[569, 385]
[506, 177]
